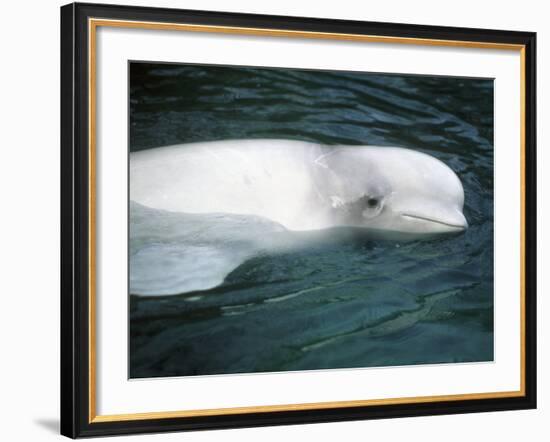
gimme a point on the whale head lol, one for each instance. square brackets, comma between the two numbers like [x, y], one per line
[395, 191]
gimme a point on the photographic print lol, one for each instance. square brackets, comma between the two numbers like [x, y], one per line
[288, 219]
[272, 220]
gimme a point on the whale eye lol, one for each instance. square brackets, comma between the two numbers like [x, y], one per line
[371, 206]
[372, 203]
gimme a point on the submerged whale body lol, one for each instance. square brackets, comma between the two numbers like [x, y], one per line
[200, 210]
[174, 253]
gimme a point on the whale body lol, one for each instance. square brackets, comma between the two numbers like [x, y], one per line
[198, 211]
[303, 186]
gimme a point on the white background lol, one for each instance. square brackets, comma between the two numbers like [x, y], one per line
[116, 395]
[29, 247]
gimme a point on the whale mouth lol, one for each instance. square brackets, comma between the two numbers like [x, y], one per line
[458, 225]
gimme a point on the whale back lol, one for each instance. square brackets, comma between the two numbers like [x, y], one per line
[267, 178]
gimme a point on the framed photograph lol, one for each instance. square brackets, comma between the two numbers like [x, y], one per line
[279, 220]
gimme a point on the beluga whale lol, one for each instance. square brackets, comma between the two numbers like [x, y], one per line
[200, 210]
[303, 186]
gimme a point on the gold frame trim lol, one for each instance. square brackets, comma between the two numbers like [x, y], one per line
[93, 24]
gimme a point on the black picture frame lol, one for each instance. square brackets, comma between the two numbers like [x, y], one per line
[77, 420]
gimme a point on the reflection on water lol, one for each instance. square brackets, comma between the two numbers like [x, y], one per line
[351, 302]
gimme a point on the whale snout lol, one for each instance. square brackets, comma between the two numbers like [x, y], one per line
[441, 222]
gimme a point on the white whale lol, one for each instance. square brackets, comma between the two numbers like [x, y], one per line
[198, 211]
[303, 186]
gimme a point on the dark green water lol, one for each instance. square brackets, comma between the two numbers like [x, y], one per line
[346, 303]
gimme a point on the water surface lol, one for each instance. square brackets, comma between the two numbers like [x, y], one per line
[350, 301]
